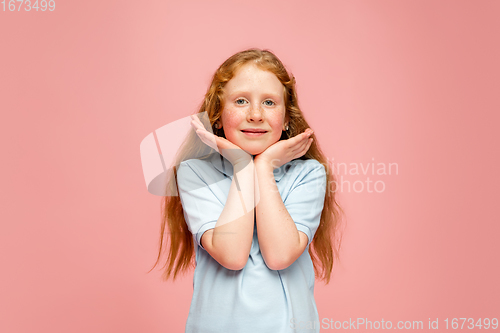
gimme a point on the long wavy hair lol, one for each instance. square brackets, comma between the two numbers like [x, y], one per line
[175, 236]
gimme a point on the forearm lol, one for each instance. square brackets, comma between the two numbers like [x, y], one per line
[279, 239]
[233, 232]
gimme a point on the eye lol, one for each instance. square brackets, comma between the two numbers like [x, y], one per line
[269, 101]
[239, 99]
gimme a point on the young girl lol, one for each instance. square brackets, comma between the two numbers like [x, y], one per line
[259, 212]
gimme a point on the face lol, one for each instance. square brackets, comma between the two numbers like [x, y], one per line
[253, 101]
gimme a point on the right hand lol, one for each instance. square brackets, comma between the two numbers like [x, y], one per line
[233, 153]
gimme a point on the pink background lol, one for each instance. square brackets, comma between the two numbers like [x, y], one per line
[409, 82]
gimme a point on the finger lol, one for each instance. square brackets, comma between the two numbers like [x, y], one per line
[302, 136]
[296, 139]
[308, 132]
[195, 121]
[203, 133]
[298, 147]
[300, 144]
[305, 149]
[197, 124]
[208, 139]
[200, 132]
[194, 124]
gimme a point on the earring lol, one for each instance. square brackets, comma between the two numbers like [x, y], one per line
[286, 127]
[217, 125]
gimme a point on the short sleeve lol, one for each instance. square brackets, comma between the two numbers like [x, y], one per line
[201, 206]
[305, 201]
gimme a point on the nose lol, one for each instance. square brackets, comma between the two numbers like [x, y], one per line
[255, 114]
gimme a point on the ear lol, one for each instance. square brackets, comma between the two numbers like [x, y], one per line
[285, 123]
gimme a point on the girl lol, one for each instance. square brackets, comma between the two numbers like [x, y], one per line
[256, 211]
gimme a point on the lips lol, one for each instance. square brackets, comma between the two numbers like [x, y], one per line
[254, 130]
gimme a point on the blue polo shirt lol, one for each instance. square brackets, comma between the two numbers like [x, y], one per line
[255, 298]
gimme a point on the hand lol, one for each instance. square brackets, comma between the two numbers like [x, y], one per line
[284, 151]
[233, 153]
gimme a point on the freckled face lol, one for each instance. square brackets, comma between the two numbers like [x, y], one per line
[253, 100]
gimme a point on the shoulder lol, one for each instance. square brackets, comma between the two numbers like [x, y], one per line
[199, 163]
[200, 167]
[196, 163]
[302, 171]
[305, 182]
[304, 167]
[310, 163]
[201, 172]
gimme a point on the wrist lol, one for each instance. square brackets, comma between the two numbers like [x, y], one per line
[243, 164]
[263, 164]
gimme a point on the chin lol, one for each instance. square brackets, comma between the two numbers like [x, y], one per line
[253, 150]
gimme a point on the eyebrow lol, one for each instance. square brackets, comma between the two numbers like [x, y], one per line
[275, 96]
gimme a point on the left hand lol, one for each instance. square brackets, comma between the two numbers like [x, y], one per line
[284, 151]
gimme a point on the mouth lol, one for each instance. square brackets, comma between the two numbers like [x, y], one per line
[253, 132]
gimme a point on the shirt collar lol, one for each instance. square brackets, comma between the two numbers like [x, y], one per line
[225, 167]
